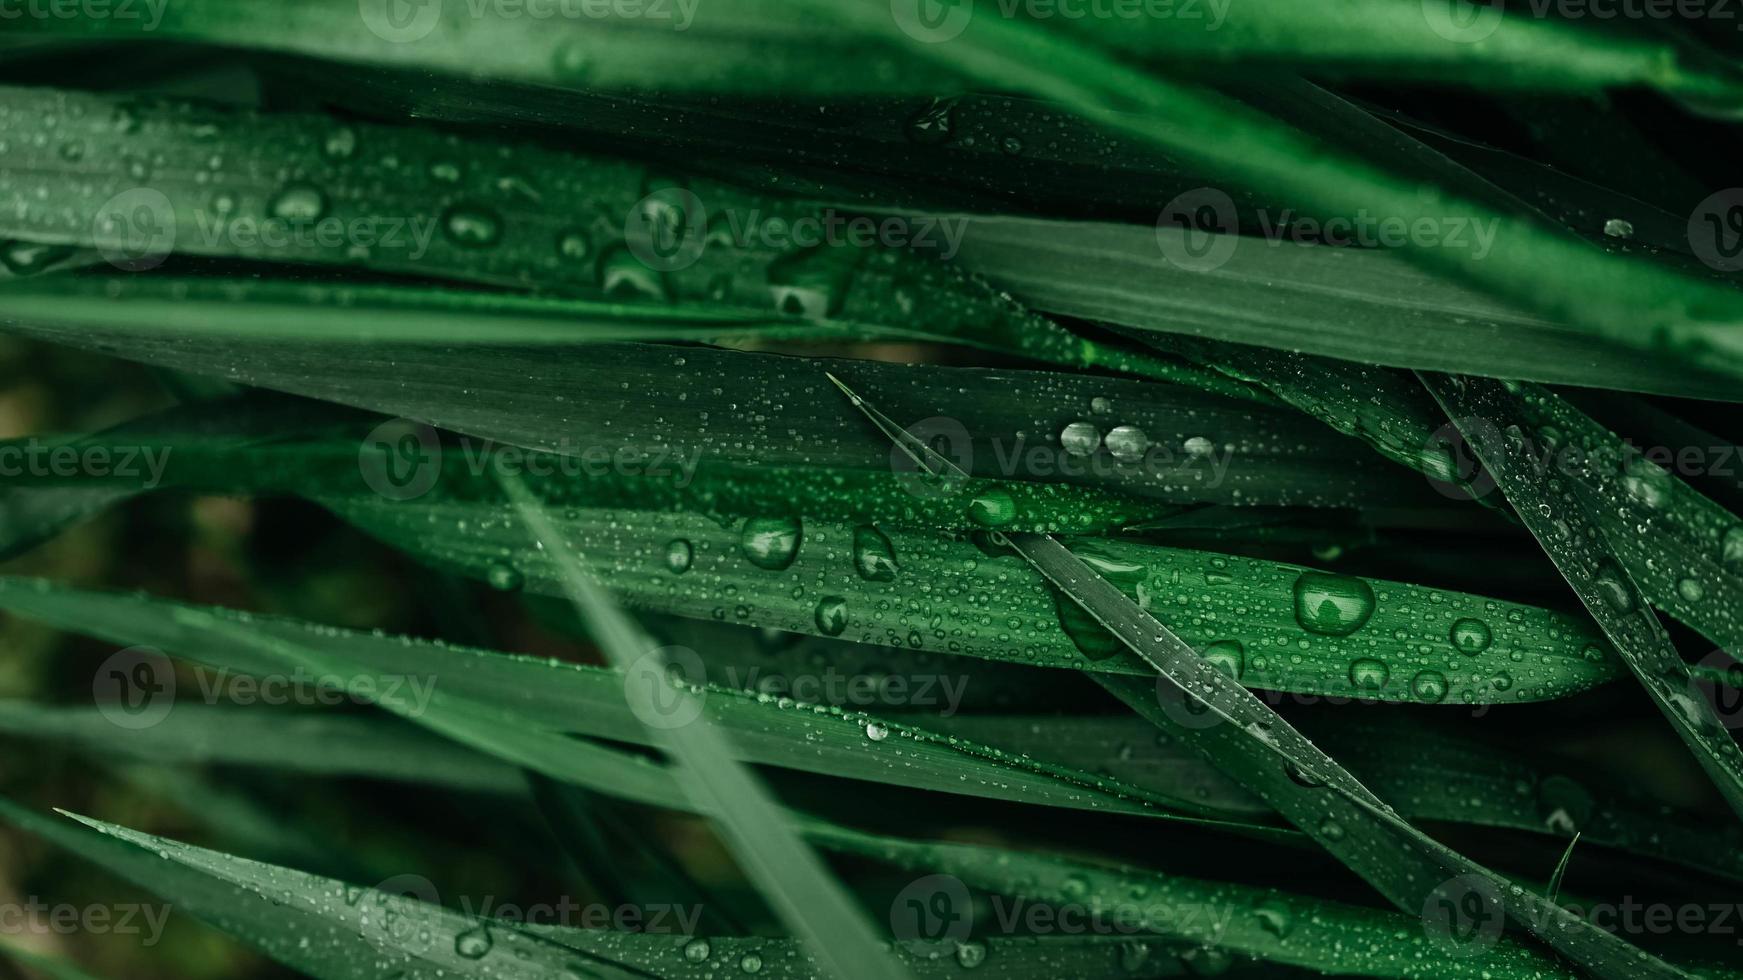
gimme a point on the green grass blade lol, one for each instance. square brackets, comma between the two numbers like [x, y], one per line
[803, 891]
[1502, 429]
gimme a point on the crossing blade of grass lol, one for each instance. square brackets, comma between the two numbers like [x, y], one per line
[317, 926]
[1462, 781]
[701, 406]
[1696, 540]
[1629, 303]
[786, 871]
[1498, 426]
[1555, 879]
[1370, 306]
[337, 931]
[325, 744]
[1253, 745]
[409, 677]
[406, 200]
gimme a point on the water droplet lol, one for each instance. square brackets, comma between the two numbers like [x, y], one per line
[750, 963]
[1011, 145]
[876, 732]
[1227, 656]
[770, 542]
[624, 277]
[473, 943]
[1429, 686]
[504, 577]
[1646, 483]
[26, 258]
[298, 202]
[1080, 438]
[1471, 636]
[1731, 548]
[1332, 605]
[1501, 681]
[1128, 443]
[1331, 830]
[72, 151]
[933, 125]
[1619, 228]
[1274, 919]
[445, 172]
[471, 226]
[1368, 674]
[1691, 590]
[1207, 961]
[831, 615]
[697, 950]
[1100, 405]
[679, 556]
[1199, 446]
[341, 143]
[994, 508]
[574, 246]
[970, 955]
[812, 283]
[1612, 587]
[873, 555]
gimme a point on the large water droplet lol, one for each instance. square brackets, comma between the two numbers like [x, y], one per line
[1368, 674]
[1128, 443]
[1429, 686]
[471, 226]
[26, 258]
[831, 615]
[298, 202]
[473, 943]
[1471, 636]
[1227, 656]
[933, 125]
[1080, 438]
[1647, 484]
[624, 277]
[874, 558]
[679, 556]
[697, 950]
[1619, 228]
[876, 732]
[970, 955]
[770, 542]
[1612, 587]
[994, 508]
[1332, 605]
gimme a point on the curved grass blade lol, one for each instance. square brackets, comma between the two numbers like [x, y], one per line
[410, 677]
[794, 880]
[417, 201]
[1500, 428]
[1696, 541]
[1369, 306]
[348, 925]
[1253, 745]
[1555, 879]
[1630, 303]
